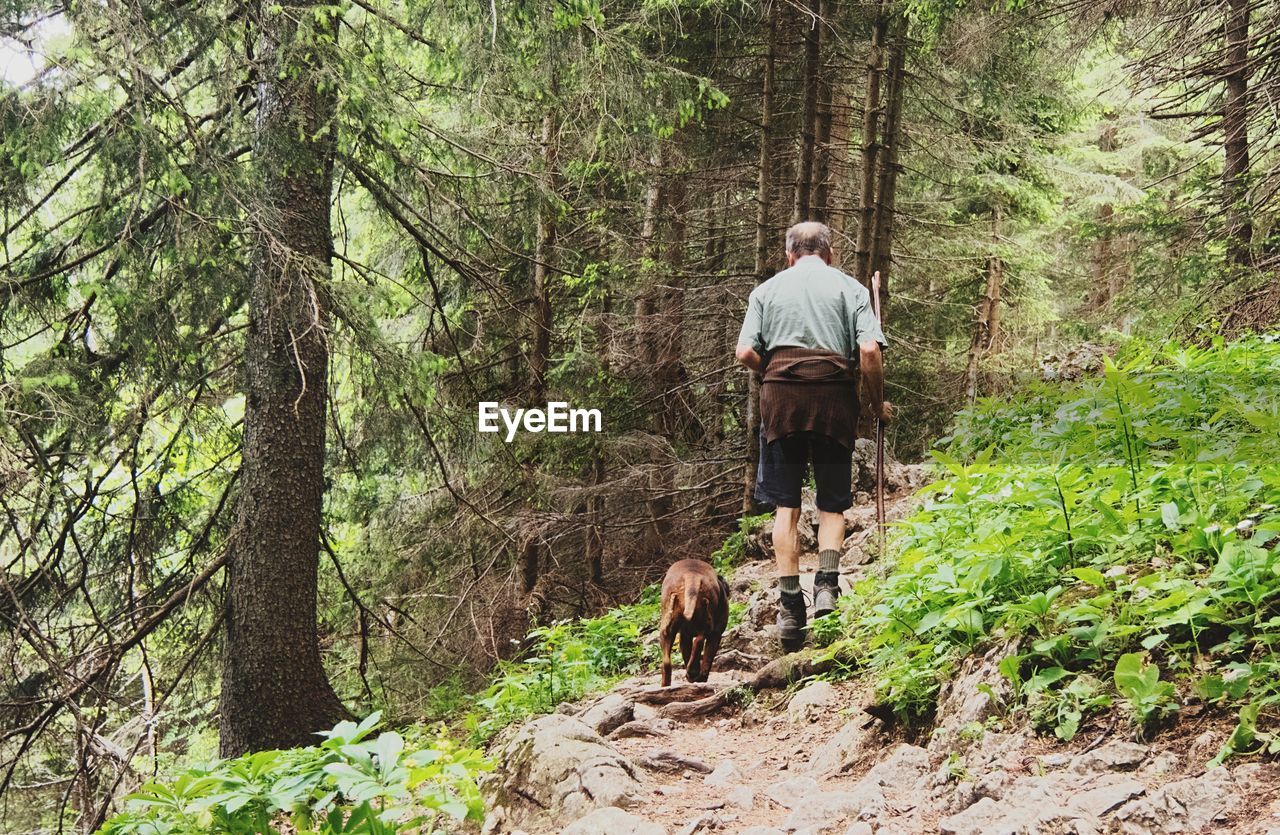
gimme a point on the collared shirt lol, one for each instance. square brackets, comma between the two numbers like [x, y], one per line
[810, 305]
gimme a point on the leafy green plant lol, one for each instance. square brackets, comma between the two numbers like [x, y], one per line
[568, 660]
[352, 783]
[1132, 512]
[1062, 709]
[734, 549]
[1148, 698]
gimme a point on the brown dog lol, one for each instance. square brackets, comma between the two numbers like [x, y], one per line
[695, 605]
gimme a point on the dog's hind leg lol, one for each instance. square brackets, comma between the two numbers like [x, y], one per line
[664, 642]
[693, 667]
[686, 643]
[709, 651]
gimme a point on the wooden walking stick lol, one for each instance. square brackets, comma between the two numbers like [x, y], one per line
[875, 306]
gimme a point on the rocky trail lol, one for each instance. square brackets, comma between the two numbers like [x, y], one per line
[745, 753]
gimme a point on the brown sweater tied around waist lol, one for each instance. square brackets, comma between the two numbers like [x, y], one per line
[809, 390]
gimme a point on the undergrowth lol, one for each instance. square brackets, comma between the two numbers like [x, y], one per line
[352, 783]
[1120, 535]
[569, 660]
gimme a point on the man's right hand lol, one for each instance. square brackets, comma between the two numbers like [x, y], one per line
[887, 411]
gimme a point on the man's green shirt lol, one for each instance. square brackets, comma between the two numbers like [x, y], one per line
[810, 305]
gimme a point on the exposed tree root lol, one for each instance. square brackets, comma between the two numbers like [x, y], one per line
[777, 674]
[675, 693]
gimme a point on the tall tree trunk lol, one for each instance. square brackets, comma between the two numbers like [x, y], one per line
[822, 120]
[676, 416]
[645, 305]
[540, 352]
[717, 250]
[870, 149]
[887, 185]
[1104, 267]
[764, 183]
[838, 141]
[274, 690]
[986, 328]
[1235, 129]
[543, 253]
[809, 110]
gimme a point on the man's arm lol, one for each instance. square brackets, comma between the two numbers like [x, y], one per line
[751, 336]
[872, 367]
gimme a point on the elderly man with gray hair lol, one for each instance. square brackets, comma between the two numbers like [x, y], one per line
[810, 331]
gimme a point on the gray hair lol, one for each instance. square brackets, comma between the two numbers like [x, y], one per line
[809, 238]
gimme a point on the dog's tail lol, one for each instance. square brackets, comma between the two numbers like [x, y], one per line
[690, 600]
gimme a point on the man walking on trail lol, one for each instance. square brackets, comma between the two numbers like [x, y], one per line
[809, 331]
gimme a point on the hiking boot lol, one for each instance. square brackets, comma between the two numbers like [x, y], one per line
[826, 591]
[791, 620]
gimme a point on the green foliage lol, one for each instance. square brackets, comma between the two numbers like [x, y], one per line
[1131, 513]
[567, 660]
[350, 784]
[734, 549]
[1149, 699]
[573, 658]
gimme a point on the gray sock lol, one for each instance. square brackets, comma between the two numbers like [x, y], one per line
[829, 560]
[789, 584]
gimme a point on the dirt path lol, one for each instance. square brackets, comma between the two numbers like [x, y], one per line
[812, 760]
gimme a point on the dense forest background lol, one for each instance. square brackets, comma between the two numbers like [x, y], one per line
[259, 262]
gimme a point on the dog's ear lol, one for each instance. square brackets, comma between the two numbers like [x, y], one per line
[724, 585]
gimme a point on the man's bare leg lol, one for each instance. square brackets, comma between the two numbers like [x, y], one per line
[830, 531]
[786, 541]
[792, 617]
[826, 583]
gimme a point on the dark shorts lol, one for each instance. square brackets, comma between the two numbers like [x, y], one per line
[785, 462]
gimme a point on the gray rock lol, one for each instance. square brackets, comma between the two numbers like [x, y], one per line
[993, 784]
[790, 792]
[558, 764]
[741, 798]
[896, 476]
[902, 770]
[493, 821]
[608, 713]
[842, 748]
[612, 821]
[1114, 756]
[1203, 749]
[644, 713]
[1028, 805]
[760, 830]
[974, 820]
[636, 728]
[827, 811]
[706, 823]
[859, 828]
[673, 762]
[1101, 800]
[1059, 803]
[961, 703]
[812, 701]
[725, 773]
[1190, 805]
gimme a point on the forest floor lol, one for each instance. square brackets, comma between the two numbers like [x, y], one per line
[812, 759]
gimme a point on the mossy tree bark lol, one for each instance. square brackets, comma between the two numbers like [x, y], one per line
[274, 690]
